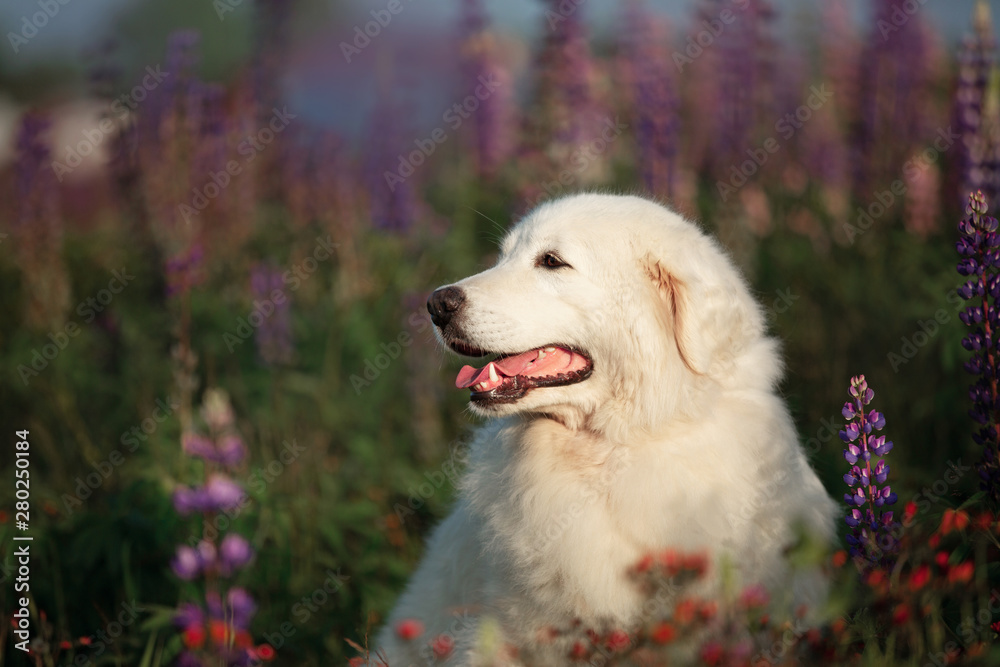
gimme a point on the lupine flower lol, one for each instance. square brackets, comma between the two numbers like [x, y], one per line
[975, 61]
[189, 500]
[894, 82]
[491, 124]
[229, 450]
[37, 226]
[655, 100]
[197, 445]
[220, 636]
[979, 248]
[565, 117]
[391, 192]
[234, 553]
[240, 606]
[184, 270]
[223, 493]
[186, 563]
[871, 539]
[745, 81]
[274, 335]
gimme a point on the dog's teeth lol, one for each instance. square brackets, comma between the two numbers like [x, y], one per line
[550, 349]
[541, 354]
[493, 373]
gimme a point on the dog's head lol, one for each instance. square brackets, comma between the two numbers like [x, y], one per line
[602, 310]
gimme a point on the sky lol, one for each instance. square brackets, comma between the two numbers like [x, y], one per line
[81, 23]
[327, 92]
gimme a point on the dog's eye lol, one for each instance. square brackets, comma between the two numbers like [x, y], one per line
[550, 261]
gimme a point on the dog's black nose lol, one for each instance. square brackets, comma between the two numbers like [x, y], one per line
[443, 304]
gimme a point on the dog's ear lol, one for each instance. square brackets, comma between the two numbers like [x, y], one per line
[709, 323]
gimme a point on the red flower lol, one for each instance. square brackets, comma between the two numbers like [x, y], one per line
[84, 641]
[357, 661]
[708, 610]
[194, 637]
[984, 521]
[712, 653]
[876, 577]
[941, 558]
[65, 645]
[962, 572]
[909, 512]
[996, 627]
[947, 521]
[645, 563]
[934, 541]
[442, 646]
[670, 561]
[618, 640]
[953, 520]
[685, 610]
[920, 577]
[663, 633]
[219, 632]
[579, 651]
[267, 653]
[243, 639]
[754, 596]
[409, 629]
[697, 563]
[839, 558]
[901, 614]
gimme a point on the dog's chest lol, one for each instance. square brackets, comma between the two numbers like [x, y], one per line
[551, 511]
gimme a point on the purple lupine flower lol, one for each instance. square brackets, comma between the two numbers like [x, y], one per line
[745, 81]
[184, 270]
[190, 500]
[871, 541]
[895, 78]
[976, 60]
[389, 169]
[979, 248]
[186, 563]
[188, 659]
[231, 451]
[207, 554]
[274, 335]
[565, 116]
[222, 493]
[196, 445]
[656, 103]
[240, 607]
[189, 614]
[234, 553]
[491, 124]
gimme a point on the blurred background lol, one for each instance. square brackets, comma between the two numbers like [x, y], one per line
[242, 206]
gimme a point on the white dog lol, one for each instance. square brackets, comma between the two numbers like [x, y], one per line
[634, 410]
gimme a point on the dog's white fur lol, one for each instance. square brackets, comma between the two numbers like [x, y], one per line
[677, 440]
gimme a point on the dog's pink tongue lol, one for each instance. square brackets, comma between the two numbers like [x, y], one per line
[556, 361]
[469, 376]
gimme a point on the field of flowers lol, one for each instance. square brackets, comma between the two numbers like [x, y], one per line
[231, 425]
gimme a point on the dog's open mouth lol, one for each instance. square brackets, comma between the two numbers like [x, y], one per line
[509, 377]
